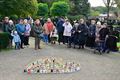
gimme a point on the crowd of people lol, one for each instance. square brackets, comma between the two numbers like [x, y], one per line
[97, 35]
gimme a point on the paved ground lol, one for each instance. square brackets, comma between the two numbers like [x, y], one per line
[93, 66]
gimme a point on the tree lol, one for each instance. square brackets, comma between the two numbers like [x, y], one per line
[18, 7]
[80, 7]
[50, 2]
[42, 9]
[94, 13]
[118, 3]
[59, 9]
[100, 9]
[109, 4]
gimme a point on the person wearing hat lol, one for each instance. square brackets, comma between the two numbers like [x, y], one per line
[16, 39]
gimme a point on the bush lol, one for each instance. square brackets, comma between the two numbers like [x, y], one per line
[77, 17]
[14, 17]
[42, 9]
[59, 9]
[4, 40]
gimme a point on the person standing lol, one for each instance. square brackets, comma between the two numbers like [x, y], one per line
[74, 36]
[104, 32]
[38, 31]
[27, 32]
[5, 24]
[67, 32]
[10, 28]
[82, 33]
[91, 36]
[48, 27]
[21, 30]
[60, 30]
[16, 39]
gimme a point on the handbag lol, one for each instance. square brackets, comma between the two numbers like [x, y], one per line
[41, 36]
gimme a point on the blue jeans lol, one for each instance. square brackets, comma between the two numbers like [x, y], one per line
[17, 45]
[45, 38]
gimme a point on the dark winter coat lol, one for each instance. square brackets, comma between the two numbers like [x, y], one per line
[92, 30]
[60, 27]
[38, 30]
[82, 33]
[5, 26]
[103, 33]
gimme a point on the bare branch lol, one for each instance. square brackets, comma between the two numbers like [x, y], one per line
[104, 1]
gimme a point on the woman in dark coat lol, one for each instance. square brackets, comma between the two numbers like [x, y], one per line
[91, 37]
[104, 32]
[74, 37]
[9, 30]
[82, 33]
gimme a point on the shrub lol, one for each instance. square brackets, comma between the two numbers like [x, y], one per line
[42, 9]
[14, 17]
[76, 17]
[59, 9]
[4, 40]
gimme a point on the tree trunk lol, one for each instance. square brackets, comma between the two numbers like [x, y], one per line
[108, 13]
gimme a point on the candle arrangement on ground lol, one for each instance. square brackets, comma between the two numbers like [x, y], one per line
[51, 65]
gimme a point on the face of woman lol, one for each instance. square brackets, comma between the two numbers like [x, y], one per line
[37, 21]
[93, 22]
[10, 22]
[25, 21]
[67, 22]
[81, 21]
[98, 25]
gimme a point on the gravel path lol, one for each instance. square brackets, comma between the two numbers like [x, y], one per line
[93, 66]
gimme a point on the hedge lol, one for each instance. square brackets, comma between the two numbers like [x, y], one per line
[4, 40]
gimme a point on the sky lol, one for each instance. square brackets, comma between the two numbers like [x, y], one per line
[95, 3]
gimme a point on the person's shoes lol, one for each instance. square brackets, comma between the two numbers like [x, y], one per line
[39, 48]
[69, 46]
[103, 51]
[79, 47]
[59, 43]
[54, 42]
[74, 47]
[22, 48]
[36, 49]
[82, 47]
[100, 52]
[108, 52]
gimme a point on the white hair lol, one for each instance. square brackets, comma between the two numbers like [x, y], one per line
[98, 23]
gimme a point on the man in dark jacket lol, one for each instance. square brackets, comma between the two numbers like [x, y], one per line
[104, 32]
[60, 30]
[5, 24]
